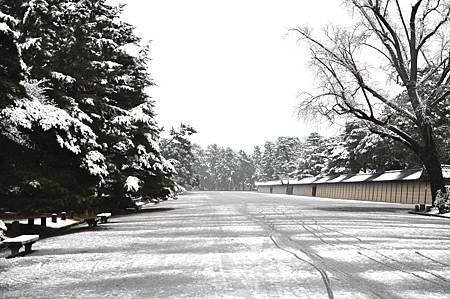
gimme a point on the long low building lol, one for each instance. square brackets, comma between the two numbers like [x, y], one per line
[400, 186]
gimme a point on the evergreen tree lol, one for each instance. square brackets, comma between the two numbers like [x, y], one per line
[11, 71]
[227, 169]
[179, 149]
[367, 152]
[336, 156]
[200, 168]
[257, 162]
[312, 160]
[85, 105]
[285, 156]
[246, 171]
[38, 135]
[212, 158]
[267, 162]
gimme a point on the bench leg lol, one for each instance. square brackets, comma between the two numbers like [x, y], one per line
[28, 247]
[14, 250]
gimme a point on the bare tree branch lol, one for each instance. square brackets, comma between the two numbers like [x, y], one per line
[403, 20]
[433, 32]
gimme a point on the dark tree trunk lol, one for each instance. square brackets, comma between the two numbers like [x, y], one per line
[431, 161]
[434, 174]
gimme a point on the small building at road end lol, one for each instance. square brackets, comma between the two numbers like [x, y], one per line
[397, 186]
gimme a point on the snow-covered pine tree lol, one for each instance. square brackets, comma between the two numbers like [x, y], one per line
[257, 162]
[79, 53]
[110, 64]
[11, 71]
[286, 153]
[11, 89]
[179, 150]
[245, 172]
[226, 169]
[200, 168]
[38, 135]
[312, 160]
[335, 156]
[212, 163]
[370, 153]
[267, 161]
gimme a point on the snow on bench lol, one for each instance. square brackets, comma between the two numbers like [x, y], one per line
[14, 244]
[104, 217]
[47, 222]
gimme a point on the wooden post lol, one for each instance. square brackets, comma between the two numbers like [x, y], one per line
[43, 221]
[426, 192]
[396, 187]
[401, 192]
[386, 192]
[390, 196]
[54, 218]
[407, 192]
[63, 216]
[373, 191]
[418, 198]
[31, 221]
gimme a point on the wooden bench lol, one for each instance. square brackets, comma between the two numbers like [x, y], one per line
[14, 244]
[137, 206]
[91, 221]
[104, 217]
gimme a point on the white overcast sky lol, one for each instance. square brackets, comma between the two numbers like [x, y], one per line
[227, 67]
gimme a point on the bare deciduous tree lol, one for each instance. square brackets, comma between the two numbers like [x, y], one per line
[390, 68]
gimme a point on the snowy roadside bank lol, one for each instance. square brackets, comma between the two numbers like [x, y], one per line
[433, 214]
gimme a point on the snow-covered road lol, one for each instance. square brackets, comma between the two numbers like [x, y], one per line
[247, 245]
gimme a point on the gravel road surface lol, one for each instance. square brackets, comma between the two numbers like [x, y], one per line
[242, 245]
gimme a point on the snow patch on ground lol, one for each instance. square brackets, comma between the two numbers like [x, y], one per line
[347, 255]
[421, 294]
[386, 277]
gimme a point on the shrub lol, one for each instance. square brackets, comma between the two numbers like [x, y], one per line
[442, 202]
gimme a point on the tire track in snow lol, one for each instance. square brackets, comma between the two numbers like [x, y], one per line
[311, 230]
[323, 273]
[433, 260]
[341, 275]
[383, 255]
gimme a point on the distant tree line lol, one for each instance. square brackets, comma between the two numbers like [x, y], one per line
[354, 150]
[77, 128]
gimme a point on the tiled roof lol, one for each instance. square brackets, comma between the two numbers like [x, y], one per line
[386, 176]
